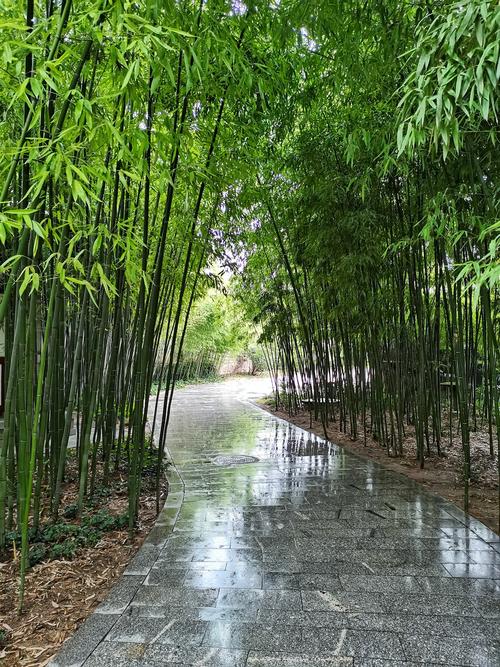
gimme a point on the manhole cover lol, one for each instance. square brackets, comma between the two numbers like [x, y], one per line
[233, 460]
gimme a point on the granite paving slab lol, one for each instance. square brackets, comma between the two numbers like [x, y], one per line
[302, 555]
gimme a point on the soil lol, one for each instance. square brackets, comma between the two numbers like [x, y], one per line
[441, 474]
[61, 594]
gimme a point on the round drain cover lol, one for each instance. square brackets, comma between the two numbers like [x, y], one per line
[234, 459]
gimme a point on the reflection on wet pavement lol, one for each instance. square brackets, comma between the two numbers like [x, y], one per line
[306, 556]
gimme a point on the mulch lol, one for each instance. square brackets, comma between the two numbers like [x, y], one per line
[61, 594]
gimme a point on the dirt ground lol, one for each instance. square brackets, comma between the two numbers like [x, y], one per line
[61, 594]
[441, 474]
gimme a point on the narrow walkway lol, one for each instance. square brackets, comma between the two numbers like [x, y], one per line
[305, 556]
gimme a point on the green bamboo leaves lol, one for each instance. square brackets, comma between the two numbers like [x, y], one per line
[111, 179]
[455, 83]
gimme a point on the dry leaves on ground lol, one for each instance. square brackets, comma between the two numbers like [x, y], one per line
[61, 594]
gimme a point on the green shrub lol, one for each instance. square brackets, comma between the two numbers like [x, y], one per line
[71, 511]
[37, 554]
[103, 520]
[88, 536]
[15, 536]
[62, 540]
[55, 532]
[64, 550]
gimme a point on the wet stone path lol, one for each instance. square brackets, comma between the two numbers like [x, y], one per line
[305, 555]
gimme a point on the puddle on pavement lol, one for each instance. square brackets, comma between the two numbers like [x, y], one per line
[307, 447]
[235, 459]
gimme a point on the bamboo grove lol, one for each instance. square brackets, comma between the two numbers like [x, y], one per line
[374, 225]
[118, 121]
[340, 157]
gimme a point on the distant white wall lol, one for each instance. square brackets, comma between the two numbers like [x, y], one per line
[235, 365]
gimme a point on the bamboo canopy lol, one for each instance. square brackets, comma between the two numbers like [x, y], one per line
[341, 165]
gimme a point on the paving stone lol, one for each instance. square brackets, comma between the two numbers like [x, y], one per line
[432, 557]
[488, 608]
[135, 630]
[121, 595]
[225, 634]
[380, 584]
[479, 531]
[244, 542]
[380, 662]
[158, 535]
[335, 568]
[323, 582]
[168, 578]
[436, 604]
[389, 558]
[176, 554]
[157, 596]
[202, 539]
[316, 619]
[181, 632]
[118, 654]
[261, 637]
[277, 637]
[484, 557]
[200, 656]
[226, 579]
[174, 499]
[414, 624]
[281, 580]
[283, 563]
[226, 614]
[245, 569]
[143, 561]
[472, 570]
[454, 651]
[355, 643]
[148, 624]
[340, 602]
[187, 566]
[439, 570]
[428, 544]
[170, 613]
[460, 586]
[243, 555]
[78, 648]
[276, 659]
[261, 599]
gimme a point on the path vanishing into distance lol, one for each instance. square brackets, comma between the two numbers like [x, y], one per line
[276, 548]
